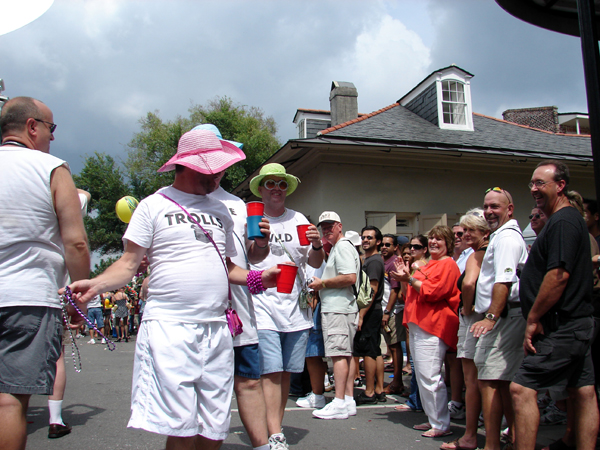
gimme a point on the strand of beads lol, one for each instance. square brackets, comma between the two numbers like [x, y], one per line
[68, 295]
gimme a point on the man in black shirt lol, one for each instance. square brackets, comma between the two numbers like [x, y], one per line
[367, 340]
[555, 292]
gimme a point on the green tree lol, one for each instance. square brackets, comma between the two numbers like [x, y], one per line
[104, 180]
[157, 142]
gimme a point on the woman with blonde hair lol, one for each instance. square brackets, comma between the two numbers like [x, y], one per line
[476, 235]
[431, 314]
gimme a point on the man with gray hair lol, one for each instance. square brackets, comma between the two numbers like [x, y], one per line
[42, 240]
[339, 314]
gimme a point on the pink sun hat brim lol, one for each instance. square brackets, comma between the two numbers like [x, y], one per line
[202, 151]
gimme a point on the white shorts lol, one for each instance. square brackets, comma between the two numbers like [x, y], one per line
[183, 379]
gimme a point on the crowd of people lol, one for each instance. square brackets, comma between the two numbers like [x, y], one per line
[473, 304]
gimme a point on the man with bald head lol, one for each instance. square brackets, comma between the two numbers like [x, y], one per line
[500, 346]
[42, 240]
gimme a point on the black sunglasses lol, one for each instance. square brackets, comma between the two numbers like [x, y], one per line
[459, 233]
[52, 125]
[415, 247]
[537, 216]
[367, 238]
[387, 244]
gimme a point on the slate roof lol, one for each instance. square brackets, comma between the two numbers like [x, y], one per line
[397, 126]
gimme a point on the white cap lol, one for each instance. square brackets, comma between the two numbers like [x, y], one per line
[328, 216]
[353, 237]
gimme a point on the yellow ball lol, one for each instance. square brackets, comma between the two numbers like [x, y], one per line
[125, 208]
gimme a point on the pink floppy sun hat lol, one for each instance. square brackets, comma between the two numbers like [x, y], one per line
[202, 151]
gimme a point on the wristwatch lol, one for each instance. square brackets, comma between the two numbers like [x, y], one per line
[411, 280]
[386, 312]
[490, 316]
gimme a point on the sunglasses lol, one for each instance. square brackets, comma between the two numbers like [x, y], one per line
[367, 238]
[458, 234]
[271, 184]
[415, 247]
[537, 216]
[52, 126]
[387, 244]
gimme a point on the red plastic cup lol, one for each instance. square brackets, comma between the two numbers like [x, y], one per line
[255, 208]
[286, 278]
[302, 229]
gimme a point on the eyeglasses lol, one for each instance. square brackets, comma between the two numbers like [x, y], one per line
[539, 183]
[415, 247]
[271, 184]
[537, 216]
[368, 238]
[387, 244]
[52, 126]
[458, 233]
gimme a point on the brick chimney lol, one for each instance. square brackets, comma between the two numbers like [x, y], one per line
[543, 118]
[343, 100]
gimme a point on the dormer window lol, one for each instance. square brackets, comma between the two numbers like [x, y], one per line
[444, 99]
[453, 102]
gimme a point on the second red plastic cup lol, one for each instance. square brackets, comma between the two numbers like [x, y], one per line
[302, 229]
[286, 278]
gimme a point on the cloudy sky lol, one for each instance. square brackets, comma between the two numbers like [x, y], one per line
[101, 65]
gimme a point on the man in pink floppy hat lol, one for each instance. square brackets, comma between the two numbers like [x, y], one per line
[183, 367]
[283, 322]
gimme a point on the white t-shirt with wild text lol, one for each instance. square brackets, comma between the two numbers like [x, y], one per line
[274, 310]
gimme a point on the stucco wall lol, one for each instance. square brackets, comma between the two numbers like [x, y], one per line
[351, 190]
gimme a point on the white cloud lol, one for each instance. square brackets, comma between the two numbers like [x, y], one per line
[388, 60]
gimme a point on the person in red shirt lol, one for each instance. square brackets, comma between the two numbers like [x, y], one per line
[431, 314]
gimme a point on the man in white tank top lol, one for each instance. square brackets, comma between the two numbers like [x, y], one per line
[42, 240]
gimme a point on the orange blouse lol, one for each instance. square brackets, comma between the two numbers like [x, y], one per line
[435, 308]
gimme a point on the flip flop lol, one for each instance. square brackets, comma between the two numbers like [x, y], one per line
[454, 445]
[433, 433]
[422, 426]
[404, 407]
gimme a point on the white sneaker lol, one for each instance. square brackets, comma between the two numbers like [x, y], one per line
[456, 412]
[351, 407]
[311, 401]
[331, 411]
[92, 341]
[103, 341]
[278, 442]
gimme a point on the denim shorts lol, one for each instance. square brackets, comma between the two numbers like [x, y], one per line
[315, 346]
[30, 344]
[282, 352]
[95, 316]
[246, 361]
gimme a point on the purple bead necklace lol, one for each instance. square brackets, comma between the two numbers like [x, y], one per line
[68, 297]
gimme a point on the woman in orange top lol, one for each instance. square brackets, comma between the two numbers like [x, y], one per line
[431, 314]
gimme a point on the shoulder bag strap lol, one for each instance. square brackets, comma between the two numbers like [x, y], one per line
[210, 239]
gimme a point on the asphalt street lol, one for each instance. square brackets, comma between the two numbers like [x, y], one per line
[97, 406]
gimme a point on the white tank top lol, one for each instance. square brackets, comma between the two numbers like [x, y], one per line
[32, 257]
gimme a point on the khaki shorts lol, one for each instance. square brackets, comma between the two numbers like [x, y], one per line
[466, 341]
[499, 352]
[338, 333]
[397, 332]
